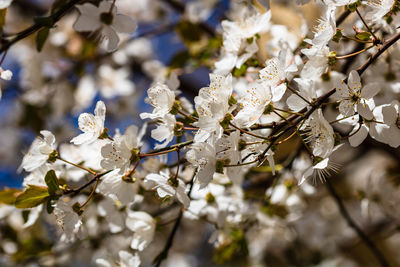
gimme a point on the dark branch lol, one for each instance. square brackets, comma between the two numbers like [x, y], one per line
[368, 242]
[37, 26]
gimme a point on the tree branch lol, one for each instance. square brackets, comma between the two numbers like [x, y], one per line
[164, 253]
[37, 26]
[368, 242]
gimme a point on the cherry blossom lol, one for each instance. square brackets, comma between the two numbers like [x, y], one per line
[105, 19]
[91, 125]
[39, 152]
[353, 97]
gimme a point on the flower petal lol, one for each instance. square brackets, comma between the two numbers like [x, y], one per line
[123, 23]
[389, 114]
[365, 111]
[370, 90]
[360, 133]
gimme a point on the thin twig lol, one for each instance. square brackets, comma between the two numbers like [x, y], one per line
[164, 253]
[6, 44]
[343, 211]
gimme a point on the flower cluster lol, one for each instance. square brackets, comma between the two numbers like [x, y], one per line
[279, 105]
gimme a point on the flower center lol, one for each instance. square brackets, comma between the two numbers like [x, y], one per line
[355, 98]
[106, 18]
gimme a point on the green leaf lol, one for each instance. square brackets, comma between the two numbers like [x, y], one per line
[3, 13]
[363, 36]
[33, 196]
[9, 195]
[52, 183]
[41, 38]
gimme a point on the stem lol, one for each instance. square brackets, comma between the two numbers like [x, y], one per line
[179, 145]
[78, 166]
[365, 24]
[247, 132]
[157, 153]
[3, 57]
[355, 53]
[164, 253]
[343, 211]
[288, 111]
[190, 117]
[112, 6]
[299, 95]
[79, 189]
[335, 121]
[241, 164]
[91, 193]
[356, 40]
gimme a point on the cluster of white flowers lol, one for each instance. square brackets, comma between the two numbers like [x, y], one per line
[282, 113]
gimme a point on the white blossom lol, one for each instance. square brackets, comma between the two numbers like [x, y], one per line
[212, 104]
[94, 18]
[203, 156]
[166, 186]
[161, 98]
[39, 151]
[354, 98]
[67, 219]
[143, 226]
[91, 125]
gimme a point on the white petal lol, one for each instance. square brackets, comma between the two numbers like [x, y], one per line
[111, 38]
[295, 103]
[100, 110]
[389, 114]
[358, 135]
[84, 138]
[354, 80]
[370, 90]
[123, 23]
[365, 111]
[346, 108]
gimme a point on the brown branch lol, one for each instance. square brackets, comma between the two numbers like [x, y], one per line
[164, 253]
[345, 214]
[6, 44]
[79, 189]
[319, 101]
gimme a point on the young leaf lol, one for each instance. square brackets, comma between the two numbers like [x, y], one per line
[52, 182]
[33, 196]
[41, 38]
[363, 36]
[9, 195]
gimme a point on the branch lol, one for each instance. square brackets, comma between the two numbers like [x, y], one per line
[296, 119]
[164, 253]
[37, 26]
[79, 189]
[368, 242]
